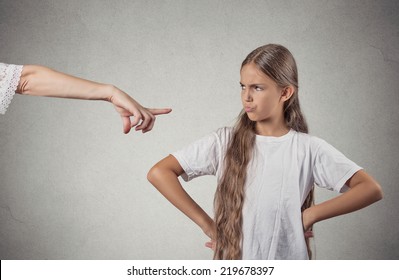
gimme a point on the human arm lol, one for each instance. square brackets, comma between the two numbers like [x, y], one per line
[42, 81]
[363, 191]
[164, 176]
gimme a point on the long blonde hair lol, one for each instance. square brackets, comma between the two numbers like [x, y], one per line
[278, 63]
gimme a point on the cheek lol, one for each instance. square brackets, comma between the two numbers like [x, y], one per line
[265, 100]
[268, 104]
[271, 99]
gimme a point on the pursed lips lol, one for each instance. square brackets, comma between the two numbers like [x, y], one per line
[249, 109]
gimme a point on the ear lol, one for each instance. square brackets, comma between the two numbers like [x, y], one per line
[287, 93]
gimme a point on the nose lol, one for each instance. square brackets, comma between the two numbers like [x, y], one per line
[246, 95]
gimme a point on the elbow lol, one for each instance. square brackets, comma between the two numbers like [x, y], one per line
[378, 194]
[374, 192]
[371, 188]
[153, 174]
[164, 171]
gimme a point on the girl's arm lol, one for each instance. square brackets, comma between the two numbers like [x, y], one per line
[164, 176]
[42, 81]
[364, 190]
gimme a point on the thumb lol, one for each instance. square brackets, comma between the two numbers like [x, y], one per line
[211, 244]
[126, 124]
[309, 234]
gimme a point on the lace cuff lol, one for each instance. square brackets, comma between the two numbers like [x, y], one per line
[9, 79]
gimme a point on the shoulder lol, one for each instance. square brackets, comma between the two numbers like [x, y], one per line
[312, 146]
[310, 141]
[223, 135]
[224, 132]
[319, 148]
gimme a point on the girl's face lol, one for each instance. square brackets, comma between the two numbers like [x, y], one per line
[261, 97]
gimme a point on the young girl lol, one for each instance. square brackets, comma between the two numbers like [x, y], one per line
[266, 167]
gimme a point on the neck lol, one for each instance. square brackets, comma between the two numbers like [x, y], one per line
[265, 128]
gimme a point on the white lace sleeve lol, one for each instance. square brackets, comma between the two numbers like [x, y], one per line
[9, 79]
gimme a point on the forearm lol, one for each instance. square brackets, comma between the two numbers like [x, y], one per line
[167, 183]
[360, 195]
[42, 81]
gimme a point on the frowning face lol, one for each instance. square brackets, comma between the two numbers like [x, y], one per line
[261, 96]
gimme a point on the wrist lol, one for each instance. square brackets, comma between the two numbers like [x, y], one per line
[109, 92]
[309, 217]
[207, 225]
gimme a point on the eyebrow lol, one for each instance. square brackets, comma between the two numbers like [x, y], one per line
[251, 85]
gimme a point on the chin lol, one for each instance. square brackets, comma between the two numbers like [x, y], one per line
[252, 118]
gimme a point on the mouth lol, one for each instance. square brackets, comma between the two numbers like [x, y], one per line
[249, 109]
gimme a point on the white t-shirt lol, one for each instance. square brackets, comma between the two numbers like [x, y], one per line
[280, 175]
[9, 79]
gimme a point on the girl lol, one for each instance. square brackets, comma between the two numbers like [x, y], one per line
[266, 167]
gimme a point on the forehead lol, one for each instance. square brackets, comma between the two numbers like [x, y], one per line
[251, 74]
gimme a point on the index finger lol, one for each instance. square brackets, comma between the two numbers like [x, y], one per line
[160, 111]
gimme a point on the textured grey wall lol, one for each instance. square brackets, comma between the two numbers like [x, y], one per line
[72, 186]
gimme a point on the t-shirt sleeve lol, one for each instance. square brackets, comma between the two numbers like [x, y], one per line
[201, 157]
[9, 79]
[331, 168]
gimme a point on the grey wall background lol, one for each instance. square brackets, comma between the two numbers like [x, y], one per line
[73, 186]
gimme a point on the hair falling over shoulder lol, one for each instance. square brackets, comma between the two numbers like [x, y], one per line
[278, 63]
[229, 195]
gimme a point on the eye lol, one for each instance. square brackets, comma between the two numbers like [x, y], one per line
[258, 88]
[242, 86]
